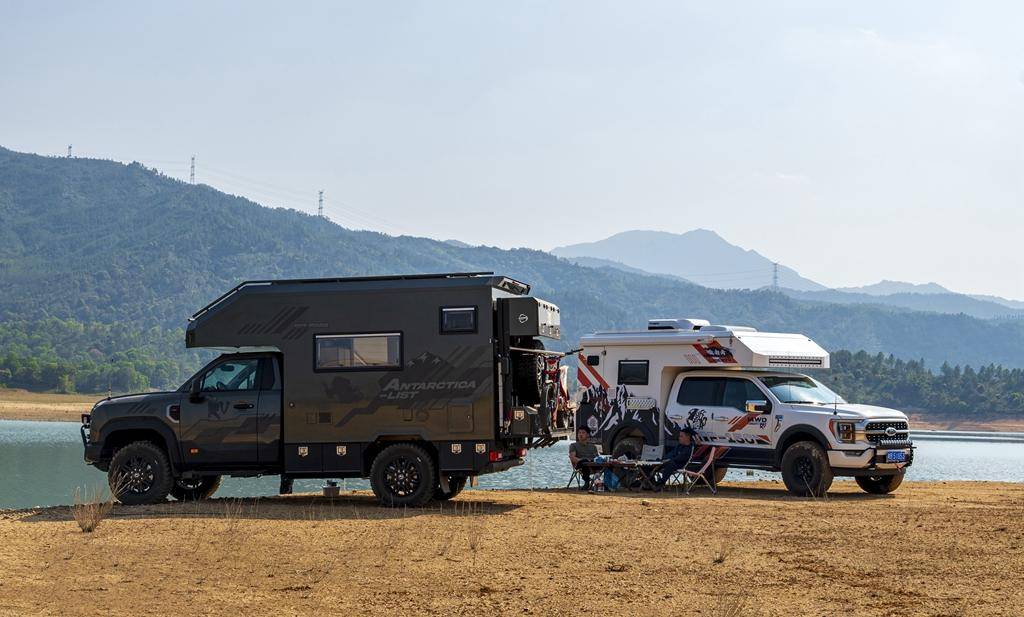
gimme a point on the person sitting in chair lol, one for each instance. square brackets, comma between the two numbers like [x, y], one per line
[677, 457]
[582, 452]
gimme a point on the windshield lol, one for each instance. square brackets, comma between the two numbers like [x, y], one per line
[800, 389]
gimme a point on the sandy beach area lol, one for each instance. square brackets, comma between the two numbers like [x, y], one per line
[50, 407]
[953, 548]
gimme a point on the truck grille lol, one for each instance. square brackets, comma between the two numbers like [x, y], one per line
[888, 434]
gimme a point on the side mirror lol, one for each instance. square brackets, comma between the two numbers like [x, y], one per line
[757, 406]
[195, 390]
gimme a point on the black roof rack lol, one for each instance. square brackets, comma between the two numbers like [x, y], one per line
[524, 288]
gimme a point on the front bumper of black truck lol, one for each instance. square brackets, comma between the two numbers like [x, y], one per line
[93, 450]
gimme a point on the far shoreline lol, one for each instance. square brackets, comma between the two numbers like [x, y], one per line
[54, 407]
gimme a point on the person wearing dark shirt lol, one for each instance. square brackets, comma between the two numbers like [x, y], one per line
[580, 452]
[676, 457]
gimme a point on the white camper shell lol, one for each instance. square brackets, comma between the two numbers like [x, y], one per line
[738, 389]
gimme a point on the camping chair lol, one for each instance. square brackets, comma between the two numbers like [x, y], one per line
[576, 477]
[705, 475]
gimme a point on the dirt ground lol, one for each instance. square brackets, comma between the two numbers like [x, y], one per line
[24, 405]
[929, 549]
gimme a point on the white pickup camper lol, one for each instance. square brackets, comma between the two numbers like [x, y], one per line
[737, 389]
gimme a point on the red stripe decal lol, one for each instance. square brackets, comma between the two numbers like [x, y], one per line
[739, 422]
[582, 378]
[593, 373]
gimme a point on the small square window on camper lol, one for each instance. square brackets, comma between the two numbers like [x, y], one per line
[633, 372]
[458, 319]
[353, 352]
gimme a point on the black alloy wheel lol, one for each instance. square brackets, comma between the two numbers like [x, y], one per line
[140, 473]
[806, 470]
[403, 474]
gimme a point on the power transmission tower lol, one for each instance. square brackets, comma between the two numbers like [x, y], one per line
[69, 150]
[775, 275]
[192, 171]
[320, 206]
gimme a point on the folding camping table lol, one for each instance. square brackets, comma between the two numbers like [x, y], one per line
[644, 471]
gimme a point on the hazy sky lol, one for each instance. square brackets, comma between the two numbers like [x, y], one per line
[853, 143]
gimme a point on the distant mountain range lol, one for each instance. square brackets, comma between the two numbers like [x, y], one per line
[700, 256]
[704, 257]
[887, 288]
[952, 303]
[125, 248]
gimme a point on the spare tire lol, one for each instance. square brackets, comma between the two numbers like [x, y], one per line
[528, 374]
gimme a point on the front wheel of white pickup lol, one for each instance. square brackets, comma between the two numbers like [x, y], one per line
[805, 469]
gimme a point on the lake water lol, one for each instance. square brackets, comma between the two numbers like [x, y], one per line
[41, 464]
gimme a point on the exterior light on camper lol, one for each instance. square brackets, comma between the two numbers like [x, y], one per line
[845, 432]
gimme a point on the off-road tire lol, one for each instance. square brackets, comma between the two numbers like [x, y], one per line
[880, 485]
[195, 490]
[805, 469]
[403, 474]
[630, 446]
[528, 375]
[140, 473]
[454, 484]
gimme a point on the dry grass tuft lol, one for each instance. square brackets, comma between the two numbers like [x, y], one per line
[88, 510]
[725, 549]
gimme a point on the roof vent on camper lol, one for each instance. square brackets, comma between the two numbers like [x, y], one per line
[726, 329]
[677, 324]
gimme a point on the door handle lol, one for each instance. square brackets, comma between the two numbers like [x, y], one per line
[244, 405]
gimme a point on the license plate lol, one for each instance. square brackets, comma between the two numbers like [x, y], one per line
[895, 457]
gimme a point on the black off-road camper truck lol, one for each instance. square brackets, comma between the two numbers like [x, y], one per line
[416, 382]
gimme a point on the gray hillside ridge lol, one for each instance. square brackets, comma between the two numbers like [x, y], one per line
[887, 287]
[614, 250]
[668, 253]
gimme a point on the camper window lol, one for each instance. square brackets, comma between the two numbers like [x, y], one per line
[458, 319]
[633, 372]
[358, 352]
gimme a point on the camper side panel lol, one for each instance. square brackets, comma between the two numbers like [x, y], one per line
[363, 364]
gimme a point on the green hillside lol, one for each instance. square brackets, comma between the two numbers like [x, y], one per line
[120, 255]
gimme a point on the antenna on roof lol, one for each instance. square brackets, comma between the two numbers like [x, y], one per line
[192, 171]
[320, 207]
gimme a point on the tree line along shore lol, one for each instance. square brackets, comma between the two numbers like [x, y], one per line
[975, 394]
